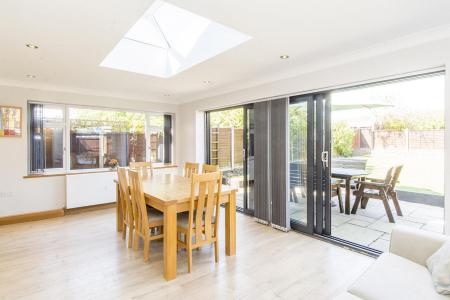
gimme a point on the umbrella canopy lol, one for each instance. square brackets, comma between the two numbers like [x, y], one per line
[338, 107]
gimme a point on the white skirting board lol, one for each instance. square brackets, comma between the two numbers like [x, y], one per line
[90, 189]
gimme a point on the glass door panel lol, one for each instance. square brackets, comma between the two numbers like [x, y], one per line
[308, 162]
[226, 147]
[298, 149]
[301, 162]
[249, 159]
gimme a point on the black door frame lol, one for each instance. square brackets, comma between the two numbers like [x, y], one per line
[310, 210]
[247, 150]
[245, 108]
[318, 218]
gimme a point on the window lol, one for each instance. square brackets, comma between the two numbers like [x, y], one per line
[97, 136]
[93, 137]
[46, 137]
[53, 123]
[156, 131]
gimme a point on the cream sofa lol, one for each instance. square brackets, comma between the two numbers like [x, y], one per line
[401, 273]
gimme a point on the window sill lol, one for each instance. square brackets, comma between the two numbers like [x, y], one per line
[156, 166]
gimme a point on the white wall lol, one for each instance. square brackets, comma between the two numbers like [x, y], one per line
[19, 195]
[413, 59]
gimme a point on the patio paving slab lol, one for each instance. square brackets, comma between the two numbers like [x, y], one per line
[370, 227]
[386, 237]
[357, 234]
[381, 245]
[359, 222]
[431, 212]
[384, 225]
[337, 220]
[434, 226]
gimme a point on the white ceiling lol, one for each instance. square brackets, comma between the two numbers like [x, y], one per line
[76, 35]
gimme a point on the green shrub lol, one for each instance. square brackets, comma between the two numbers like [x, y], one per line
[342, 139]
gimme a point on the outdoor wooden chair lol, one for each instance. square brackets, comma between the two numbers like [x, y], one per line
[336, 191]
[190, 169]
[145, 220]
[200, 226]
[145, 168]
[210, 168]
[380, 189]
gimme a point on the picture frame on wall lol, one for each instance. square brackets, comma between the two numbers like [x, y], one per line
[10, 121]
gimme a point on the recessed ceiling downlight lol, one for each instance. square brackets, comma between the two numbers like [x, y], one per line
[167, 40]
[284, 56]
[32, 46]
[31, 76]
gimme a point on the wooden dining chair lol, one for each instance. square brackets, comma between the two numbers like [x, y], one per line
[145, 167]
[210, 168]
[200, 226]
[125, 203]
[145, 220]
[190, 169]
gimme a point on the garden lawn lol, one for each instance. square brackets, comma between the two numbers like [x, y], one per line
[423, 170]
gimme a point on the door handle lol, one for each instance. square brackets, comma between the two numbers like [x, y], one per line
[325, 159]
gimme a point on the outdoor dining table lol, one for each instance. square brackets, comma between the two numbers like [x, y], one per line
[170, 194]
[348, 174]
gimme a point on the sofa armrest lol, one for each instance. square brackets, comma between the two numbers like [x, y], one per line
[414, 244]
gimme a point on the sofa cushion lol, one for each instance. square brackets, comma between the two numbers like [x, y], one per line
[439, 266]
[394, 277]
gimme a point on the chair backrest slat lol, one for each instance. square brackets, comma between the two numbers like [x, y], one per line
[146, 168]
[190, 169]
[138, 201]
[388, 178]
[205, 206]
[209, 209]
[125, 195]
[396, 175]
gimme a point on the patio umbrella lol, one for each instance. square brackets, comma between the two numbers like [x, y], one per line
[338, 107]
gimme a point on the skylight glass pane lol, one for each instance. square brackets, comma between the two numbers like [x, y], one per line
[181, 28]
[167, 40]
[138, 58]
[145, 30]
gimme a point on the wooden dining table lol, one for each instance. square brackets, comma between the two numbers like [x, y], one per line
[170, 194]
[348, 174]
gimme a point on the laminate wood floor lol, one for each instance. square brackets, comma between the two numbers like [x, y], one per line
[81, 256]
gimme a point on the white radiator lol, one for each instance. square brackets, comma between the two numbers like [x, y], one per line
[90, 189]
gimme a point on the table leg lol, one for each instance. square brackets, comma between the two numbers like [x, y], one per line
[230, 225]
[170, 242]
[119, 216]
[347, 196]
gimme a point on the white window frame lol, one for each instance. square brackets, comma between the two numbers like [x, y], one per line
[52, 124]
[101, 152]
[65, 124]
[148, 130]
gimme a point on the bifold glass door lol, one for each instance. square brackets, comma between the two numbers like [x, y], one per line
[309, 170]
[229, 144]
[249, 159]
